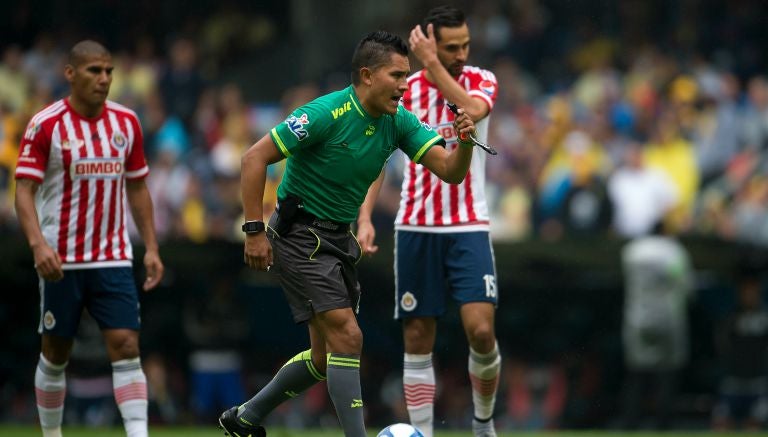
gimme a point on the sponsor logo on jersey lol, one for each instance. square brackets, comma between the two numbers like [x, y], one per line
[49, 321]
[296, 125]
[99, 168]
[119, 141]
[32, 130]
[487, 87]
[408, 302]
[370, 130]
[26, 152]
[447, 131]
[72, 144]
[426, 125]
[341, 110]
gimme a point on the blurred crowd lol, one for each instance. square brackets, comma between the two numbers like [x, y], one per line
[572, 137]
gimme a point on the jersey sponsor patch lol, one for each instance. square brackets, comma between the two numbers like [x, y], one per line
[408, 301]
[447, 131]
[487, 87]
[72, 144]
[296, 125]
[32, 130]
[341, 110]
[97, 168]
[426, 125]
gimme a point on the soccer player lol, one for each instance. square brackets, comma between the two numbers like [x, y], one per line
[442, 231]
[81, 159]
[336, 147]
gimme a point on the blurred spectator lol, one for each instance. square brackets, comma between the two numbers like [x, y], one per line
[717, 128]
[641, 196]
[658, 285]
[754, 129]
[574, 200]
[44, 63]
[11, 129]
[742, 344]
[14, 81]
[136, 75]
[670, 152]
[236, 133]
[181, 83]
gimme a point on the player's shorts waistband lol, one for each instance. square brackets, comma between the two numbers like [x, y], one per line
[308, 219]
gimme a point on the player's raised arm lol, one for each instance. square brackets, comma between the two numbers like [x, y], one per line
[454, 43]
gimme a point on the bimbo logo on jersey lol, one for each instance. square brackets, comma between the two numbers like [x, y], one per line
[100, 168]
[447, 131]
[296, 125]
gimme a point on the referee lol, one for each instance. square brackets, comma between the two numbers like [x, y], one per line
[336, 147]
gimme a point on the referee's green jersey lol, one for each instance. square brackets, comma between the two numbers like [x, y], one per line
[335, 151]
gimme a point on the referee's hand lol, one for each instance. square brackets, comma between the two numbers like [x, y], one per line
[257, 253]
[366, 234]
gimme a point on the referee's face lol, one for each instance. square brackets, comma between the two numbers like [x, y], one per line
[90, 80]
[388, 83]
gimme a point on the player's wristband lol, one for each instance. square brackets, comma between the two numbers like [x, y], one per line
[465, 141]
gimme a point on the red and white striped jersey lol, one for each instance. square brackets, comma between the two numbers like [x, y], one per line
[428, 204]
[82, 164]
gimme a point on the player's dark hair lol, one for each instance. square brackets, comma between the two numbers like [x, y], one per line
[443, 16]
[85, 49]
[374, 50]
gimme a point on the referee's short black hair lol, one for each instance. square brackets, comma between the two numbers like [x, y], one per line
[443, 16]
[374, 50]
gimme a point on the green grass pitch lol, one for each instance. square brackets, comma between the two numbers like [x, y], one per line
[157, 431]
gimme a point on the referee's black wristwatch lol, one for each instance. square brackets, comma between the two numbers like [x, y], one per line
[253, 226]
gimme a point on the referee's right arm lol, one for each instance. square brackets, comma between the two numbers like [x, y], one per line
[253, 176]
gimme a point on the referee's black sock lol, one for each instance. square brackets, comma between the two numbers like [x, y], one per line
[345, 392]
[297, 375]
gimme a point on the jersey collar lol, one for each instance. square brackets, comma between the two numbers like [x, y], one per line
[356, 103]
[81, 116]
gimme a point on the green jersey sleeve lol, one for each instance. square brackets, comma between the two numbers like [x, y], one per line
[306, 126]
[414, 137]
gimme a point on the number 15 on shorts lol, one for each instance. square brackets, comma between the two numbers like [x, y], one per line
[490, 286]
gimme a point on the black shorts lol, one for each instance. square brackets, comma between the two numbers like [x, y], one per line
[316, 268]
